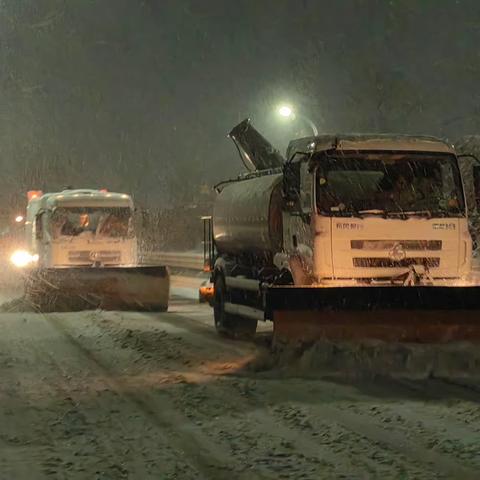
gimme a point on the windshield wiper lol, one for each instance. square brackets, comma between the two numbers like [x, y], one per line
[403, 213]
[420, 213]
[372, 211]
[344, 212]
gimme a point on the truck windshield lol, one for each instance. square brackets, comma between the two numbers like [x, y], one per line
[100, 222]
[389, 184]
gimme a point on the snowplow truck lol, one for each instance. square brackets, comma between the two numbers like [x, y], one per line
[351, 237]
[81, 252]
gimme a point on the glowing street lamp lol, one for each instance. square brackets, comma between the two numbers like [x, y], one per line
[287, 112]
[19, 218]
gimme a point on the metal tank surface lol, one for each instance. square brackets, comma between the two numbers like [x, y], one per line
[247, 216]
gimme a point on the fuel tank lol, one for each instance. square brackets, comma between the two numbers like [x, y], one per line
[247, 216]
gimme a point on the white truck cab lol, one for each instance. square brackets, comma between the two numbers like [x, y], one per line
[81, 228]
[378, 207]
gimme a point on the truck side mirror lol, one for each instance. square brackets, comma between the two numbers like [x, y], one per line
[39, 226]
[291, 184]
[297, 189]
[476, 185]
[471, 179]
[306, 189]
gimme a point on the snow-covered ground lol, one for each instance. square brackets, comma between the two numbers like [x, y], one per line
[114, 395]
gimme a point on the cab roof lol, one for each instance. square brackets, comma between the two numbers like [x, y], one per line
[369, 142]
[84, 198]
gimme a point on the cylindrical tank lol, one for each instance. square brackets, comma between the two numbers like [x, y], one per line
[247, 216]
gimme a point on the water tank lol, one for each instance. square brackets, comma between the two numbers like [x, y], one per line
[247, 216]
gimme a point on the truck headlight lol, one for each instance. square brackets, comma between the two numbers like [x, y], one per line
[22, 258]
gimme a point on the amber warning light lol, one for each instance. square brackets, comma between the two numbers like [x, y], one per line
[31, 194]
[205, 294]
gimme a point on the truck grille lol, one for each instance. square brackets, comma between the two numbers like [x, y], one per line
[87, 256]
[381, 262]
[389, 244]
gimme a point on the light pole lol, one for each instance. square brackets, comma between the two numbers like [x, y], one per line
[288, 112]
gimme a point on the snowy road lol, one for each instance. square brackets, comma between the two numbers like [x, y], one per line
[113, 395]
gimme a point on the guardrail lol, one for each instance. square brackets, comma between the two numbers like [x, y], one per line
[180, 260]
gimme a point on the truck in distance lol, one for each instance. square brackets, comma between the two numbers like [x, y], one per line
[81, 244]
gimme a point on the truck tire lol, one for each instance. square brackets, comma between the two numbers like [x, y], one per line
[226, 324]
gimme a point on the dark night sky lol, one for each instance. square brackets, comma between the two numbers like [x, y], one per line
[139, 95]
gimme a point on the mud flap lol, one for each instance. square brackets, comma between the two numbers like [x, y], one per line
[111, 288]
[420, 314]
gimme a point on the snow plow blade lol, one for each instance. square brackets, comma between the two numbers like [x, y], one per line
[144, 288]
[419, 314]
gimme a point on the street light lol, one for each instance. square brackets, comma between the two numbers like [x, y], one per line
[285, 111]
[288, 112]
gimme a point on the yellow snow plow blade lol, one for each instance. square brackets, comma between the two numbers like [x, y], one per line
[419, 332]
[143, 288]
[419, 314]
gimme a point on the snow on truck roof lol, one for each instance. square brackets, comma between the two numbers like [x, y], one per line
[355, 142]
[84, 198]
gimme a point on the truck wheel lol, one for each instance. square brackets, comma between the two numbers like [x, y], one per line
[226, 324]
